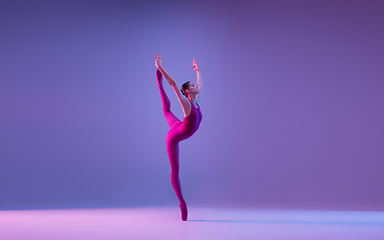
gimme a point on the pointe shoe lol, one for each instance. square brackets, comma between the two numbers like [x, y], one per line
[159, 77]
[184, 211]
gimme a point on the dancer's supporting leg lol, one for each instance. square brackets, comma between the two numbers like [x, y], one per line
[173, 138]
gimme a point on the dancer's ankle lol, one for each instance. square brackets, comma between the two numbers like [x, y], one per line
[184, 211]
[159, 77]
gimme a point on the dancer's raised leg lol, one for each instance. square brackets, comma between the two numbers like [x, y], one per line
[169, 116]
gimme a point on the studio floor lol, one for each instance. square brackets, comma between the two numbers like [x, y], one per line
[203, 223]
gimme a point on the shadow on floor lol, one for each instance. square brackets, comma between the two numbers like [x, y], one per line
[297, 222]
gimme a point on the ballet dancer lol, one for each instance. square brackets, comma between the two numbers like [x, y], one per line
[189, 97]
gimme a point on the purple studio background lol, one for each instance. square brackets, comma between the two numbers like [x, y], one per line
[292, 105]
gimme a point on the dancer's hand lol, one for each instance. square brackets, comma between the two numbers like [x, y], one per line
[157, 60]
[195, 67]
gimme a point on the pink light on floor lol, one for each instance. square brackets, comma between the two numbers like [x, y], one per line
[204, 223]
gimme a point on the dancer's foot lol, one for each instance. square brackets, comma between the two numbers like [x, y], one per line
[184, 211]
[159, 77]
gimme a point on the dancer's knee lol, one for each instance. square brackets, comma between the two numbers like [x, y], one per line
[166, 111]
[175, 172]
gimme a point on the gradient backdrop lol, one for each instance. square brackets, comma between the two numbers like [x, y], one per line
[292, 105]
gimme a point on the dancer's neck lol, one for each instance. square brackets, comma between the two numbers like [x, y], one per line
[193, 100]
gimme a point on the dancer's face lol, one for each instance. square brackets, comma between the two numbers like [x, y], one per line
[193, 89]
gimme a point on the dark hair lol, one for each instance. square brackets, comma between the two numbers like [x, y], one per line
[184, 87]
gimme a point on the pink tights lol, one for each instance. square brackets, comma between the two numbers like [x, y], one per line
[174, 136]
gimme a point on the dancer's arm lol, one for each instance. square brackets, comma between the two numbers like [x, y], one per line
[183, 101]
[199, 82]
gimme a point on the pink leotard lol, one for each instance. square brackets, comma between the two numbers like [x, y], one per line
[192, 122]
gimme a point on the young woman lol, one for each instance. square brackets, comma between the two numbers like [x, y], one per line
[189, 97]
